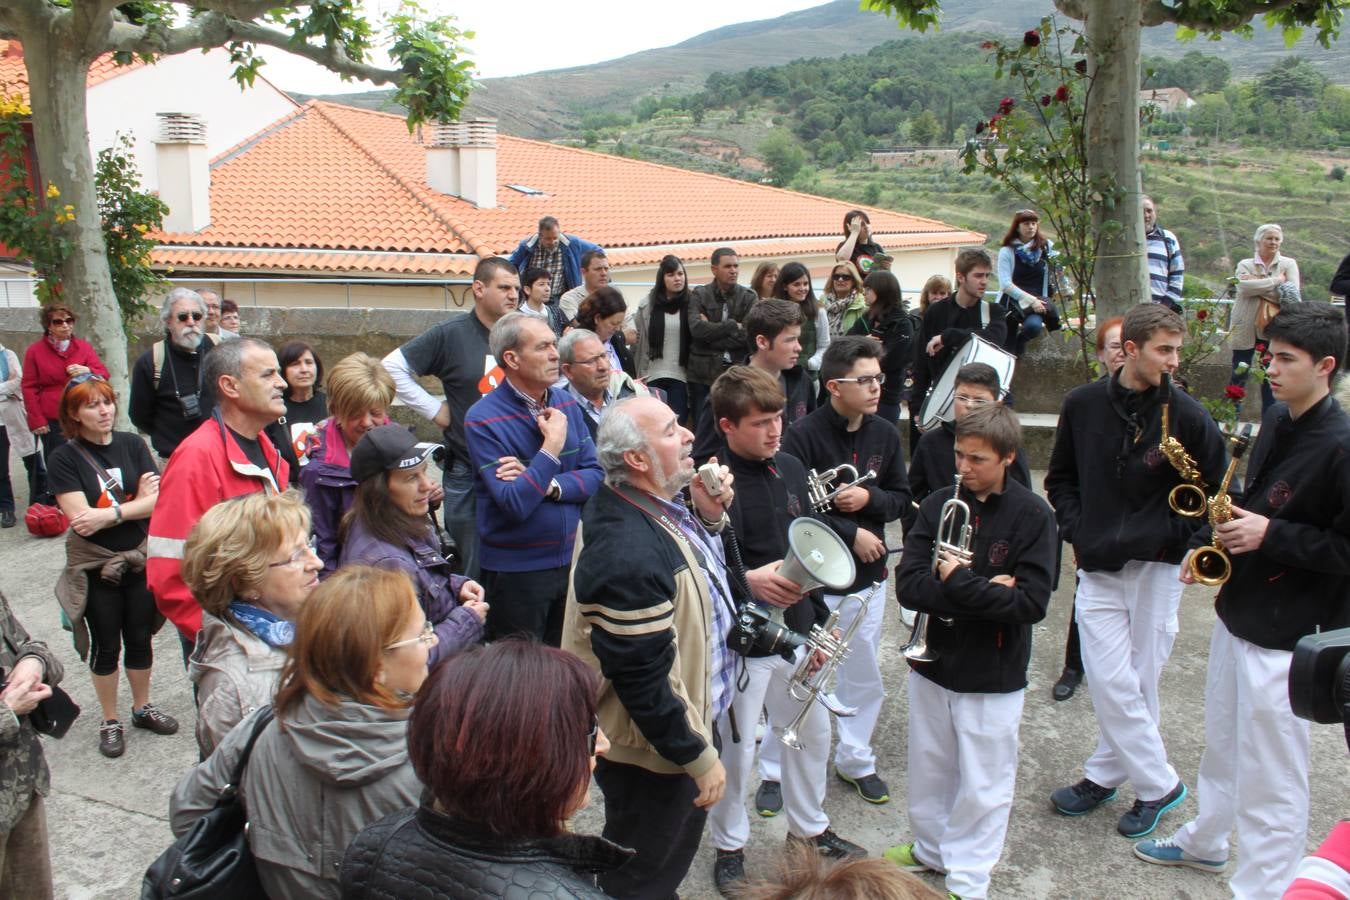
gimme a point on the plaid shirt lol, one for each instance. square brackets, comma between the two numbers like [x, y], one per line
[551, 260]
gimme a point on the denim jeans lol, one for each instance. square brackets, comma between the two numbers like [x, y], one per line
[460, 517]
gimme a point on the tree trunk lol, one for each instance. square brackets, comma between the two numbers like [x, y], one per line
[1113, 31]
[56, 75]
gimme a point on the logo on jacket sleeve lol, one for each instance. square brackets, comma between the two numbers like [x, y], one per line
[998, 553]
[873, 464]
[1279, 494]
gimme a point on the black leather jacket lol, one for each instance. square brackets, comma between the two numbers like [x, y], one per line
[425, 853]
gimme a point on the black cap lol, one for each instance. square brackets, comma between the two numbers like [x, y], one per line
[387, 448]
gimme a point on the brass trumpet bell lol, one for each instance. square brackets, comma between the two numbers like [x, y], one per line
[1188, 500]
[1210, 566]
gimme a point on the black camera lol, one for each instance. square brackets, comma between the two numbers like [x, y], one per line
[190, 406]
[1319, 678]
[755, 630]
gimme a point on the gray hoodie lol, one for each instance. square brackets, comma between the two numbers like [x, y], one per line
[309, 787]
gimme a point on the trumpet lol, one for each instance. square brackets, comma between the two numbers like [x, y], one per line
[1186, 499]
[808, 686]
[1212, 566]
[954, 536]
[819, 484]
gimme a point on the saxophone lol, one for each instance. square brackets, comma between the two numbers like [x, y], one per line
[1211, 566]
[1187, 499]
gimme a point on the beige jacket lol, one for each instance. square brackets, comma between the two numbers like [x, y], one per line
[235, 673]
[1256, 282]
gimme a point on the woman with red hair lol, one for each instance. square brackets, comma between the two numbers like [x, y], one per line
[48, 364]
[106, 484]
[494, 821]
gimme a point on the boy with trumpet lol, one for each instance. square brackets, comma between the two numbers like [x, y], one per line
[965, 706]
[1289, 543]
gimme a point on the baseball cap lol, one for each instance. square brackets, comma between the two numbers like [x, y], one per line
[387, 448]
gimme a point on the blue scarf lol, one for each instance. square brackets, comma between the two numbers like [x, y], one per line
[267, 627]
[1027, 253]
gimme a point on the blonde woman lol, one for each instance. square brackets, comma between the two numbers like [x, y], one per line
[1266, 276]
[250, 565]
[843, 298]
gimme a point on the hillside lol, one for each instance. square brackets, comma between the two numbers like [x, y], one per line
[548, 104]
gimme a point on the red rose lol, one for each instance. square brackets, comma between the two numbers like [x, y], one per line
[1032, 38]
[1046, 99]
[1080, 67]
[1202, 314]
[979, 127]
[1005, 105]
[1062, 93]
[1235, 392]
[1260, 346]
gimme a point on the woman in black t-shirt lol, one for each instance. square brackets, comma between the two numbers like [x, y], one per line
[106, 483]
[857, 246]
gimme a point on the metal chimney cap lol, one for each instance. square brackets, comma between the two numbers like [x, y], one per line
[181, 128]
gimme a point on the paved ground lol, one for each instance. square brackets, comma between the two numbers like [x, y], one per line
[108, 817]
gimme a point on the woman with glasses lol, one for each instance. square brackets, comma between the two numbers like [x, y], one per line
[389, 526]
[843, 298]
[250, 564]
[106, 484]
[1028, 281]
[663, 335]
[48, 364]
[887, 322]
[335, 757]
[494, 825]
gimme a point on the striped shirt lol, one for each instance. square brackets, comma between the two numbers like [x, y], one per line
[1166, 268]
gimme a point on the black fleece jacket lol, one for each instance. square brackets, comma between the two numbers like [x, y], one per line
[955, 323]
[1298, 580]
[1108, 480]
[769, 495]
[934, 463]
[796, 385]
[987, 646]
[822, 441]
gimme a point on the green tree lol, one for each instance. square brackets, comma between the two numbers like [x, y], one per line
[924, 128]
[62, 38]
[783, 155]
[1292, 80]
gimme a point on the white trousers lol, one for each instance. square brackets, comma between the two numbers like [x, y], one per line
[1127, 622]
[1254, 772]
[962, 770]
[803, 770]
[857, 683]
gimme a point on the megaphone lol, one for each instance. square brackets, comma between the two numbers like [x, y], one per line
[817, 557]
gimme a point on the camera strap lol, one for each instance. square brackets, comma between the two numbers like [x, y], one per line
[106, 482]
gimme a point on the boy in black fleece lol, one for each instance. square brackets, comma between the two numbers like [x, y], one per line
[948, 324]
[771, 491]
[847, 430]
[1290, 548]
[1109, 482]
[966, 705]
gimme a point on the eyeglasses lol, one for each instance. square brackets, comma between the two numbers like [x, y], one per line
[590, 738]
[428, 637]
[81, 379]
[842, 276]
[592, 361]
[976, 402]
[194, 316]
[298, 559]
[63, 321]
[865, 380]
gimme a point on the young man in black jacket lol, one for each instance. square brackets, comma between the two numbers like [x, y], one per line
[1289, 543]
[1109, 481]
[847, 430]
[771, 492]
[966, 705]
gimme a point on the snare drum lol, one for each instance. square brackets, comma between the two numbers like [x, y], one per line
[938, 405]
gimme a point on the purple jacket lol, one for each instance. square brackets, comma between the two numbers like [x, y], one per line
[329, 488]
[437, 588]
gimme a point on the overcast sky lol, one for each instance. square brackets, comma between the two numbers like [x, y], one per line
[531, 35]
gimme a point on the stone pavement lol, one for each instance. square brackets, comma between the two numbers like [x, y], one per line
[108, 818]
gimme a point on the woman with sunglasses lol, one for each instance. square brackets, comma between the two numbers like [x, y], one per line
[843, 298]
[106, 483]
[335, 757]
[250, 564]
[494, 825]
[389, 526]
[48, 364]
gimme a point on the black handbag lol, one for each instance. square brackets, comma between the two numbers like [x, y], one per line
[212, 860]
[54, 716]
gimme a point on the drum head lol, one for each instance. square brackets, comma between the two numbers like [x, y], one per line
[938, 406]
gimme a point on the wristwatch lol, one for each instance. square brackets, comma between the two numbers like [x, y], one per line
[714, 527]
[554, 490]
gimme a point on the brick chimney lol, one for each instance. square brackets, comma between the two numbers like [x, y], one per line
[184, 171]
[462, 160]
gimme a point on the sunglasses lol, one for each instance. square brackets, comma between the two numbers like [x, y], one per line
[590, 738]
[63, 321]
[194, 316]
[842, 276]
[81, 379]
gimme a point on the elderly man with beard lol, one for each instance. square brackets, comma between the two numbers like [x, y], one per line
[167, 397]
[649, 608]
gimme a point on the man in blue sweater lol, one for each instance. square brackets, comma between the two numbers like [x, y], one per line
[527, 524]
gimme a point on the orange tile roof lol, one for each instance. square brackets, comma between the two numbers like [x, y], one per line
[335, 178]
[14, 75]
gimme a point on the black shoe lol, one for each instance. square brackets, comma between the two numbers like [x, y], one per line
[1067, 684]
[7, 519]
[111, 742]
[1144, 816]
[769, 799]
[829, 845]
[869, 787]
[1081, 798]
[729, 871]
[149, 716]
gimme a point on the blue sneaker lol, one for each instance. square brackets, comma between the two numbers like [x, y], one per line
[1081, 798]
[1165, 852]
[1144, 815]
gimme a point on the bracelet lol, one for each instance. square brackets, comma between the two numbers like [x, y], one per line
[714, 527]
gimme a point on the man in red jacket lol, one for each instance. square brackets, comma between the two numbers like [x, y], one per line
[227, 456]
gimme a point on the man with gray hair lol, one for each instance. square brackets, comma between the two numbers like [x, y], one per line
[168, 399]
[527, 523]
[227, 456]
[650, 609]
[585, 364]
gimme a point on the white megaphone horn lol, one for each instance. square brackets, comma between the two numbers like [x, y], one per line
[817, 557]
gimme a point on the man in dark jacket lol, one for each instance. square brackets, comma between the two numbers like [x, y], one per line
[168, 399]
[1109, 481]
[716, 335]
[550, 249]
[965, 704]
[771, 491]
[847, 430]
[1289, 543]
